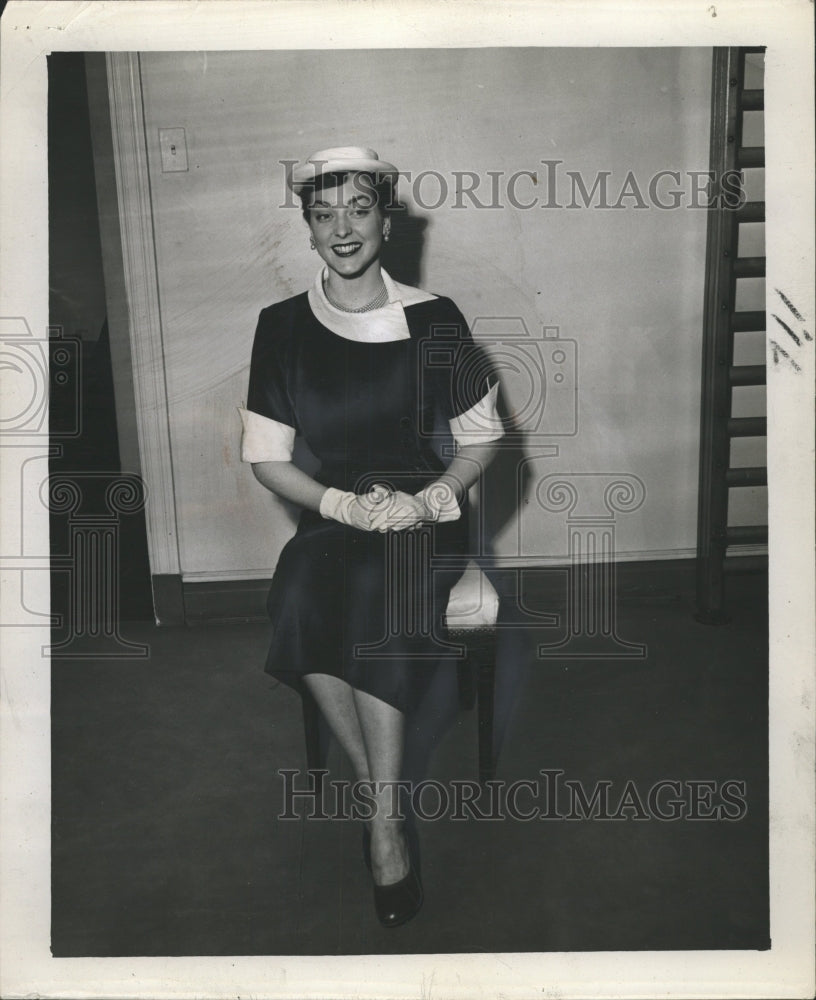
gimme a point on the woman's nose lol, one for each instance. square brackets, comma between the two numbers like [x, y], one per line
[341, 224]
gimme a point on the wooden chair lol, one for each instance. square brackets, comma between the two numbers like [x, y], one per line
[471, 618]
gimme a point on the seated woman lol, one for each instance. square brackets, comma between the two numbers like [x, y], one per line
[343, 365]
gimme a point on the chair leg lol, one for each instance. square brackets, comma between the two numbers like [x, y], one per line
[467, 687]
[486, 697]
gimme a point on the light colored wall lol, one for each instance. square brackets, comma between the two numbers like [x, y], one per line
[626, 285]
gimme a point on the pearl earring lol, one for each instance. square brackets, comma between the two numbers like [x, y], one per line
[311, 242]
[386, 233]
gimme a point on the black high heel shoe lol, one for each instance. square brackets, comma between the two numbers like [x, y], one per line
[399, 902]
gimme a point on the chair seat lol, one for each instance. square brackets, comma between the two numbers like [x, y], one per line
[473, 602]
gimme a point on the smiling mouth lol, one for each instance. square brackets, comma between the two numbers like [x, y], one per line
[346, 249]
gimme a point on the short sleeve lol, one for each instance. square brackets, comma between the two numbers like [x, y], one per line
[481, 423]
[269, 422]
[471, 395]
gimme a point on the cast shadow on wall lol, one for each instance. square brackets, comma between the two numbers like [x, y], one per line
[402, 254]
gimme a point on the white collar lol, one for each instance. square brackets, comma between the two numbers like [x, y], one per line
[377, 326]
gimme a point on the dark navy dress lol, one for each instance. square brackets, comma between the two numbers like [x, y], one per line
[367, 607]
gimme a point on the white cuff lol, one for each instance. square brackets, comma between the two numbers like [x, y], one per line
[440, 501]
[481, 423]
[332, 504]
[265, 440]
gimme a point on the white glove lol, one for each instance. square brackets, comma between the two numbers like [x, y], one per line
[399, 511]
[440, 502]
[352, 508]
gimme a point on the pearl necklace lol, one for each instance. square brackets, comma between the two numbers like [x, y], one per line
[379, 300]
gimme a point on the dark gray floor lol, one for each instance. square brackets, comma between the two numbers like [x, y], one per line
[166, 795]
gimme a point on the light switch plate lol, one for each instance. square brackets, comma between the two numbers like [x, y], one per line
[173, 145]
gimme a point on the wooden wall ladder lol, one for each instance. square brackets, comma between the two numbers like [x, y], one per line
[723, 323]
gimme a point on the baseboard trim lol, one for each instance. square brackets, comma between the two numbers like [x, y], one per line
[168, 599]
[548, 584]
[226, 601]
[241, 601]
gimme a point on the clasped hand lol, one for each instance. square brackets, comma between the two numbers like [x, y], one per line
[382, 510]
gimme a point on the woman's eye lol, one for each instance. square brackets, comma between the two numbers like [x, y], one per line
[360, 213]
[322, 216]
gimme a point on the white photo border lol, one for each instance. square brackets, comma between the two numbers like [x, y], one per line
[31, 30]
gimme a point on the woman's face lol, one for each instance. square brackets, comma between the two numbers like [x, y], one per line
[347, 226]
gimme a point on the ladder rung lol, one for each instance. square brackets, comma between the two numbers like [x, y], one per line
[751, 156]
[753, 100]
[749, 267]
[744, 322]
[749, 534]
[747, 374]
[747, 475]
[745, 564]
[745, 427]
[751, 211]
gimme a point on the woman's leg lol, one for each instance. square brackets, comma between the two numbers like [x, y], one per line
[336, 700]
[371, 732]
[383, 729]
